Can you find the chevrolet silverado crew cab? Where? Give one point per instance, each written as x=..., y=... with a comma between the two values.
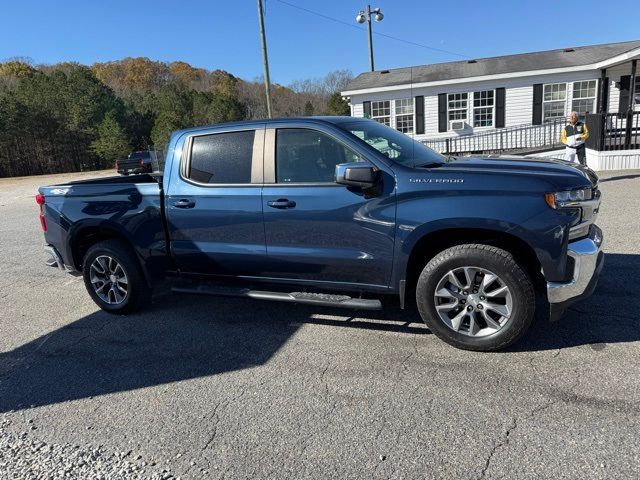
x=342, y=212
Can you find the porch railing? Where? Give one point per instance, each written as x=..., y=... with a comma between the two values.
x=521, y=138
x=613, y=131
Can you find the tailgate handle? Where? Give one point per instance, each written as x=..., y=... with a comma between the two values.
x=184, y=203
x=282, y=203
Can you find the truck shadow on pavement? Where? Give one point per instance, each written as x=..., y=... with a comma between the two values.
x=179, y=338
x=184, y=337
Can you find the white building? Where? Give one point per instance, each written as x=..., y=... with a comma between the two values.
x=483, y=104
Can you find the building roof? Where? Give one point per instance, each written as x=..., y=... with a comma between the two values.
x=524, y=62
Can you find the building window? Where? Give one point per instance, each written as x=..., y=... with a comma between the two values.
x=404, y=115
x=483, y=108
x=584, y=97
x=457, y=106
x=381, y=112
x=553, y=101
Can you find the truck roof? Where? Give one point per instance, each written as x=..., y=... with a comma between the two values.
x=326, y=119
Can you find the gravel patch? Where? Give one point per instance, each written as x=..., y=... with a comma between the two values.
x=24, y=457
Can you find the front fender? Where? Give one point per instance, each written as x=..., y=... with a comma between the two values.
x=522, y=215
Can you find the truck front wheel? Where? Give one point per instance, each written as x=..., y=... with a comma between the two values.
x=476, y=297
x=113, y=277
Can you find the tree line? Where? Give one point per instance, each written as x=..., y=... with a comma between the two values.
x=71, y=117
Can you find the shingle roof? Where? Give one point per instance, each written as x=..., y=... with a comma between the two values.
x=561, y=58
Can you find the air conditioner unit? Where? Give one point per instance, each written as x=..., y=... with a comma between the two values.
x=457, y=125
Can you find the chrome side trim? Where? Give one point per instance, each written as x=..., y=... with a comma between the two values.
x=585, y=256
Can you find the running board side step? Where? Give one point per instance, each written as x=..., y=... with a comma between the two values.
x=323, y=299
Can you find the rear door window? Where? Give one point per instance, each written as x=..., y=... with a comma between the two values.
x=221, y=158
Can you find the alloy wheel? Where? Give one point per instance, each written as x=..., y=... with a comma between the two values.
x=109, y=280
x=473, y=301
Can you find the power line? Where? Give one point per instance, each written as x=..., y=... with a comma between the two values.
x=336, y=20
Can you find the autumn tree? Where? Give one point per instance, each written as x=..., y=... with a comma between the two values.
x=68, y=117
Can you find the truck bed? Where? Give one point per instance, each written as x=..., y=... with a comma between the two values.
x=125, y=206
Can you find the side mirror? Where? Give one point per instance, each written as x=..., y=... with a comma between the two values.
x=357, y=174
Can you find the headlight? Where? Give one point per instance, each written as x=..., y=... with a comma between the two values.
x=568, y=197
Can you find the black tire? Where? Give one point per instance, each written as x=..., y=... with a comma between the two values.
x=496, y=260
x=138, y=291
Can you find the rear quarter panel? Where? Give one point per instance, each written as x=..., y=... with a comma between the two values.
x=131, y=210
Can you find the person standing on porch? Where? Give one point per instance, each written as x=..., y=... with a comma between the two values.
x=574, y=134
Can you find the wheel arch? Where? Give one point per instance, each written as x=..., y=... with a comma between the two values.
x=88, y=234
x=432, y=243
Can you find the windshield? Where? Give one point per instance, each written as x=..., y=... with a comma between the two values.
x=395, y=145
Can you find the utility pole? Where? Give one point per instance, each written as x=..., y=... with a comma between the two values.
x=265, y=60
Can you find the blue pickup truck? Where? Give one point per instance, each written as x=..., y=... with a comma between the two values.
x=340, y=212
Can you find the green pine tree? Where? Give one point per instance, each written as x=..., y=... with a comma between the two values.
x=337, y=106
x=308, y=108
x=112, y=143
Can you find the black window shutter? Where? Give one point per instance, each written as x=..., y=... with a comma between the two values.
x=537, y=104
x=500, y=105
x=625, y=87
x=419, y=114
x=442, y=112
x=367, y=109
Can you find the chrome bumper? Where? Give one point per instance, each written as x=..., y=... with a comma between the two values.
x=585, y=254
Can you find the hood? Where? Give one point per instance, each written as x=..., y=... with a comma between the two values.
x=560, y=172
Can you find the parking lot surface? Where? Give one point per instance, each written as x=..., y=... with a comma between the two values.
x=213, y=387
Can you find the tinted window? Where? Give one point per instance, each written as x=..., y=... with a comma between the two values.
x=222, y=157
x=304, y=155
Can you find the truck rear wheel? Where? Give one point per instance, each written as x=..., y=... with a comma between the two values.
x=113, y=277
x=476, y=297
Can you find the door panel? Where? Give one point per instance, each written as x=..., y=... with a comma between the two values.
x=332, y=234
x=222, y=234
x=317, y=230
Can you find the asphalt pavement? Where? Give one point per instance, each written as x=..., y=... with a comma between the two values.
x=207, y=387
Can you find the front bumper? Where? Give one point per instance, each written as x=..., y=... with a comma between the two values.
x=588, y=259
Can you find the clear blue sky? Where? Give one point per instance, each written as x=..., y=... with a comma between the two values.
x=224, y=34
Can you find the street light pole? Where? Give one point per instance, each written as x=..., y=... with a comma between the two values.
x=265, y=60
x=370, y=38
x=365, y=16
